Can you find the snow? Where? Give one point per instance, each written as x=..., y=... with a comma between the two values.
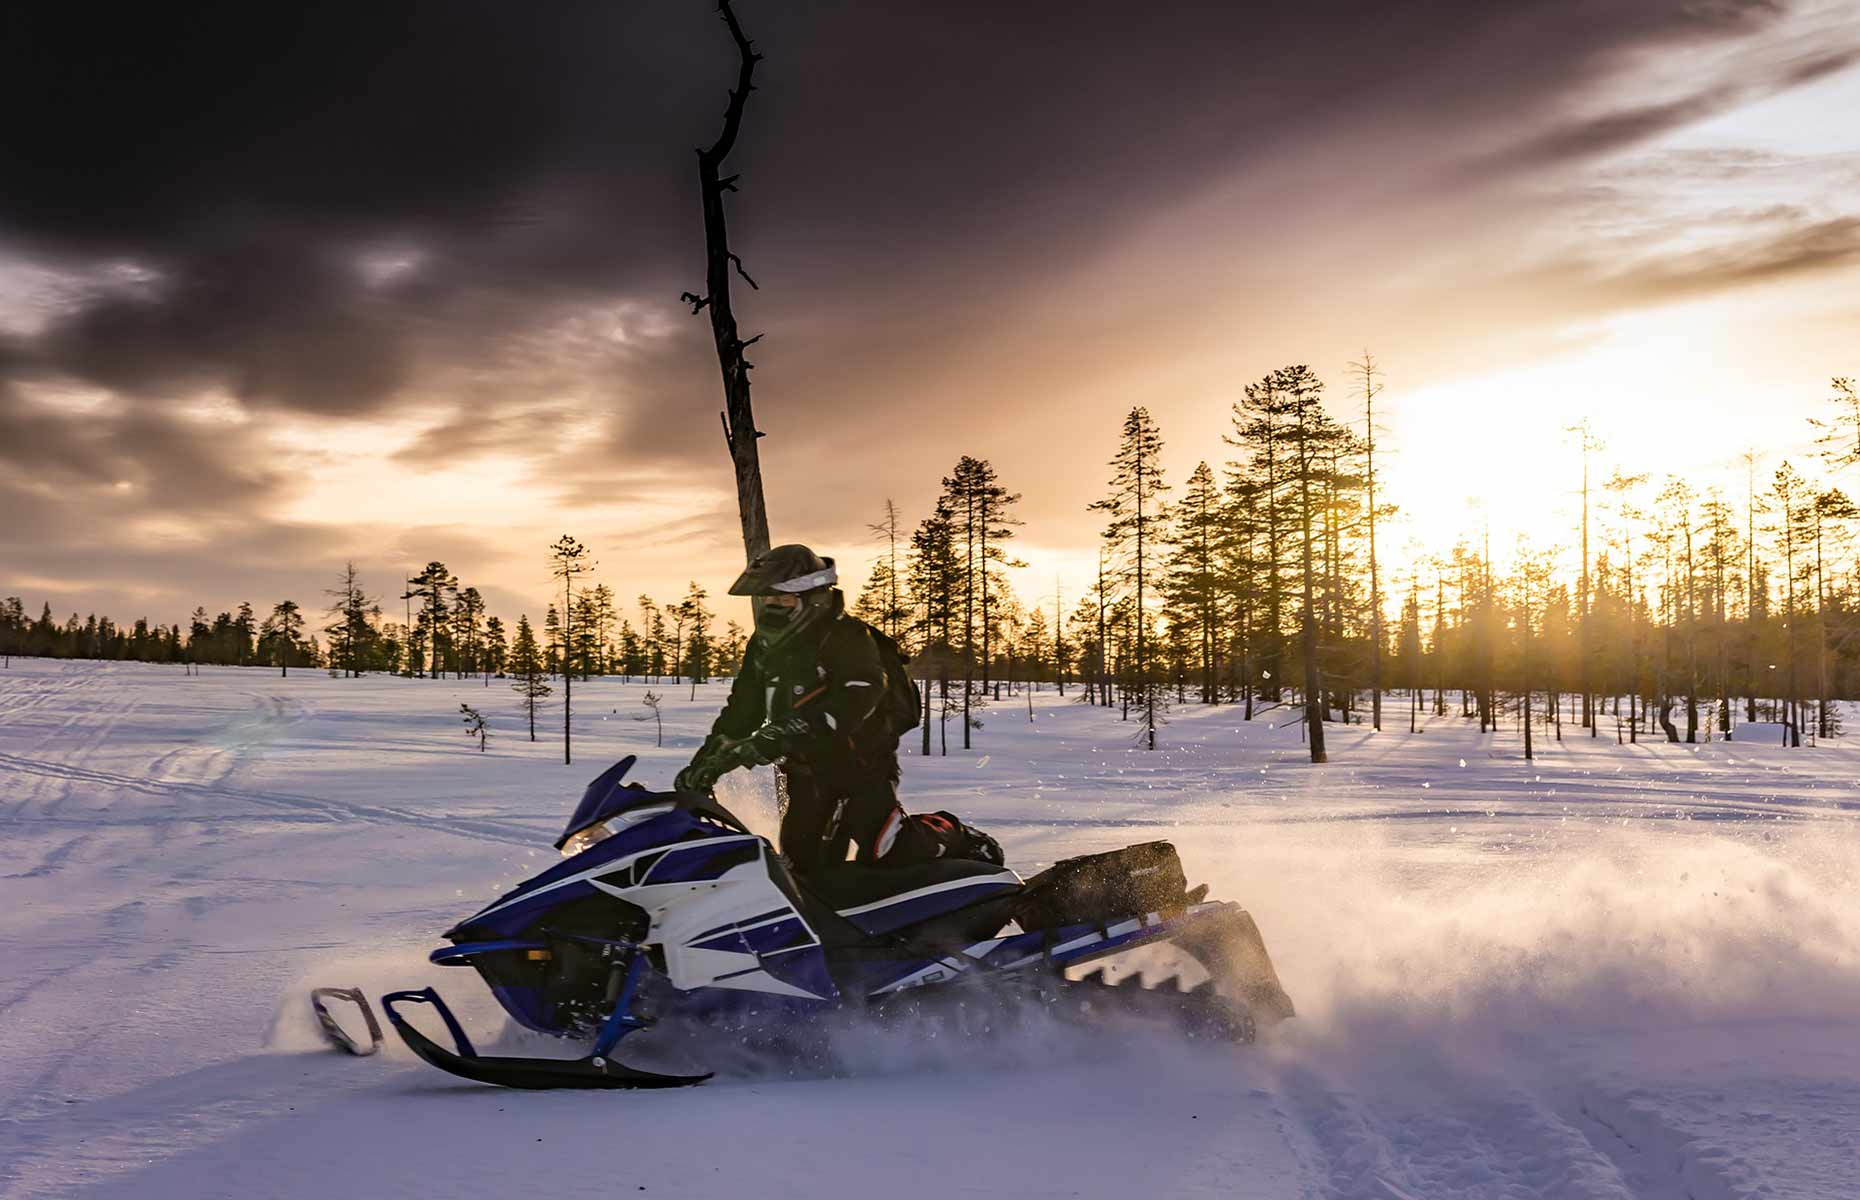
x=1618, y=971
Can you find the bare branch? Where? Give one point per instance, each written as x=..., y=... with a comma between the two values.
x=739, y=95
x=739, y=420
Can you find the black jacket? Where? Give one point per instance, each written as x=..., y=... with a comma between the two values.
x=830, y=674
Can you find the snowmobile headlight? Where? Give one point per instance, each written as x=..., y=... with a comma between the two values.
x=586, y=838
x=600, y=831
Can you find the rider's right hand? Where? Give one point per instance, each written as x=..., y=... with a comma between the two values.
x=696, y=777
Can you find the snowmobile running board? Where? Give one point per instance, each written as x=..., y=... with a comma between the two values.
x=532, y=1074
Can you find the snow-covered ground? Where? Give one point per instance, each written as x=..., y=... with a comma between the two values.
x=1618, y=971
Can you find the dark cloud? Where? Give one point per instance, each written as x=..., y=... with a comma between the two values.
x=275, y=324
x=140, y=459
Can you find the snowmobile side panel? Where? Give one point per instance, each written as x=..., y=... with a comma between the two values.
x=914, y=907
x=721, y=921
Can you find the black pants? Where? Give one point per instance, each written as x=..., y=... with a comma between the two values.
x=830, y=811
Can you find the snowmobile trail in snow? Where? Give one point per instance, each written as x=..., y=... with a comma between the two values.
x=1615, y=972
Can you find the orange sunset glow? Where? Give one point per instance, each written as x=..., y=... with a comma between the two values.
x=266, y=369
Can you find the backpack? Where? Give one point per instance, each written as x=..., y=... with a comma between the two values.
x=901, y=709
x=1094, y=888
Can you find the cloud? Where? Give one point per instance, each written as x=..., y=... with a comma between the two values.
x=1795, y=247
x=471, y=223
x=153, y=460
x=1586, y=136
x=271, y=323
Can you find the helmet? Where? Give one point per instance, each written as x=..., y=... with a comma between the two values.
x=783, y=571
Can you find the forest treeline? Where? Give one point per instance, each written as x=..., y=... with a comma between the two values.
x=1259, y=584
x=1666, y=609
x=446, y=632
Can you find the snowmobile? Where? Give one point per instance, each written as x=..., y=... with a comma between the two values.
x=665, y=904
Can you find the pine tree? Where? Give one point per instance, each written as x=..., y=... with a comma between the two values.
x=1792, y=530
x=1254, y=490
x=981, y=513
x=495, y=649
x=882, y=601
x=1193, y=583
x=631, y=651
x=568, y=561
x=585, y=652
x=1062, y=652
x=729, y=652
x=552, y=640
x=1828, y=511
x=528, y=671
x=1721, y=554
x=602, y=616
x=467, y=609
x=1294, y=478
x=934, y=573
x=696, y=619
x=14, y=628
x=351, y=636
x=243, y=629
x=652, y=637
x=433, y=587
x=1136, y=522
x=1840, y=437
x=1034, y=651
x=281, y=631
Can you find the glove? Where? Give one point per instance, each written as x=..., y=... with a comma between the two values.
x=714, y=762
x=775, y=740
x=700, y=775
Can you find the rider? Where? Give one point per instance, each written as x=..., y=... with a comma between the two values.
x=824, y=695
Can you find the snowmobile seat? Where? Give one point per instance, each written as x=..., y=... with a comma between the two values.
x=883, y=899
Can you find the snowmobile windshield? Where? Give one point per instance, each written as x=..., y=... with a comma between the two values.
x=607, y=797
x=600, y=831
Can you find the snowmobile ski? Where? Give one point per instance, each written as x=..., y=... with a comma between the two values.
x=333, y=1032
x=528, y=1074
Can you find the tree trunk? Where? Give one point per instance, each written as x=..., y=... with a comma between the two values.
x=739, y=424
x=1314, y=697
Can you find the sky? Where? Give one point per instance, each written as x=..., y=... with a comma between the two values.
x=399, y=282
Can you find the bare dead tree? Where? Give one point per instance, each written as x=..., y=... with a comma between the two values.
x=1588, y=444
x=739, y=423
x=1369, y=387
